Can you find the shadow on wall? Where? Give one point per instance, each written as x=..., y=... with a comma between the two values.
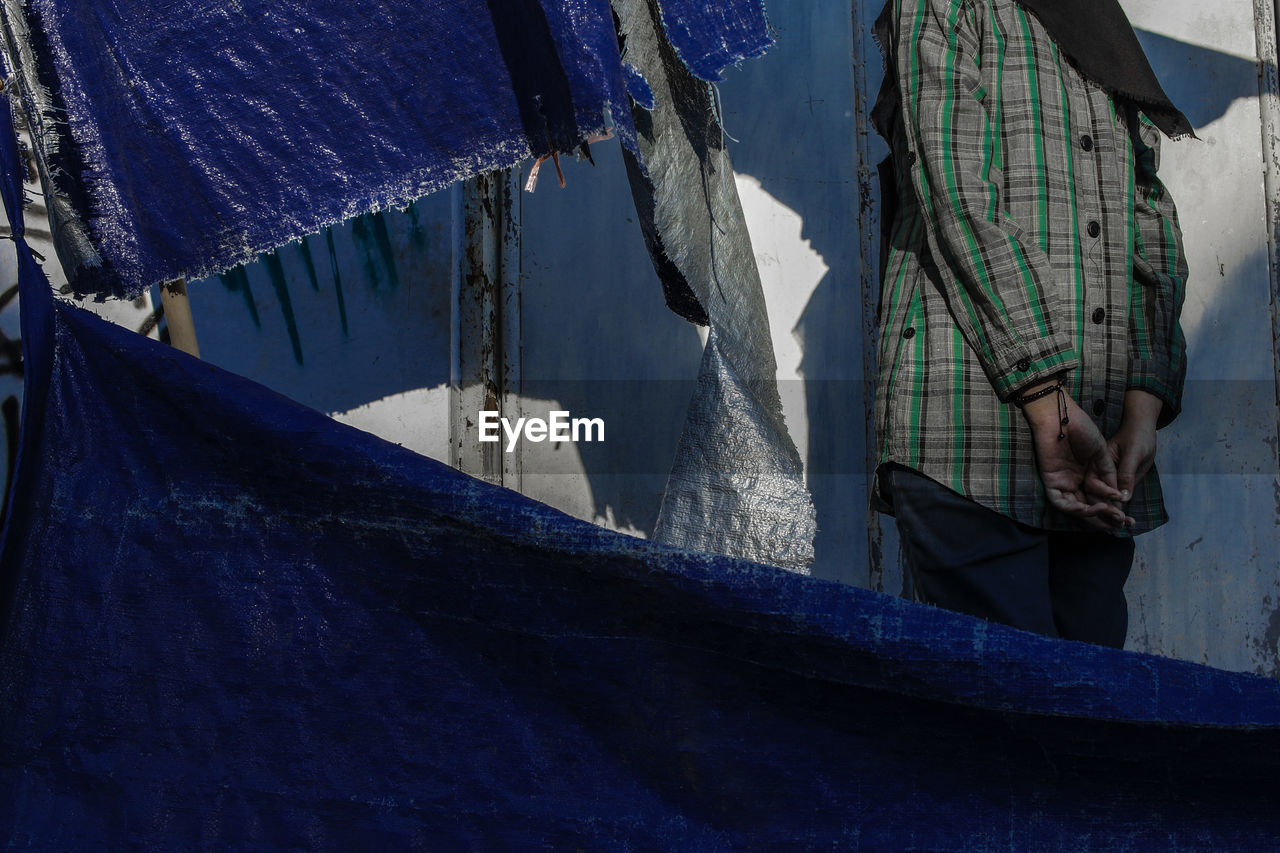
x=1229, y=416
x=361, y=313
x=599, y=340
x=794, y=112
x=1202, y=82
x=1205, y=587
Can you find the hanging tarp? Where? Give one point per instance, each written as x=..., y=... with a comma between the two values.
x=228, y=622
x=183, y=137
x=737, y=484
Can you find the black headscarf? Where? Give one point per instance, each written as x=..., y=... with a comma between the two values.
x=1099, y=41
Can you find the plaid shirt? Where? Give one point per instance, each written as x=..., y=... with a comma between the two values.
x=1032, y=238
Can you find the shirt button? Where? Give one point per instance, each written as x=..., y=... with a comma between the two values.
x=1099, y=315
x=911, y=157
x=1023, y=365
x=1099, y=406
x=1094, y=228
x=908, y=333
x=1086, y=142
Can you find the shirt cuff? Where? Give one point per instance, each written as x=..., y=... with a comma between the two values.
x=1030, y=367
x=1159, y=378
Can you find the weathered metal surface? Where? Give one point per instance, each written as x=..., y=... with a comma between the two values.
x=1265, y=28
x=868, y=71
x=1267, y=14
x=1207, y=586
x=485, y=326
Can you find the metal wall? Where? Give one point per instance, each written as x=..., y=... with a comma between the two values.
x=406, y=323
x=1206, y=587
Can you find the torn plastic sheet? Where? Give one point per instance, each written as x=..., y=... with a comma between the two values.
x=737, y=485
x=255, y=628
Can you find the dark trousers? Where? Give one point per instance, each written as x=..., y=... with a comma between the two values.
x=967, y=558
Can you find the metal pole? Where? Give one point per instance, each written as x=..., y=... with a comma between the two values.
x=1265, y=28
x=486, y=325
x=177, y=315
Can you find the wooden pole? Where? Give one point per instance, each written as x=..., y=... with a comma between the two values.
x=177, y=315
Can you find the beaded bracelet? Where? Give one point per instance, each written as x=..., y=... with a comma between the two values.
x=1056, y=388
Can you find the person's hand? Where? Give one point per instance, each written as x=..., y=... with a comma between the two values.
x=1133, y=447
x=1078, y=471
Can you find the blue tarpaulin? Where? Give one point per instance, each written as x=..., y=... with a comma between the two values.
x=183, y=138
x=227, y=622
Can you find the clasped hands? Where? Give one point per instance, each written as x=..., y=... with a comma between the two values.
x=1084, y=474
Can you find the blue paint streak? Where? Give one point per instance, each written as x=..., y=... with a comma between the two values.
x=309, y=263
x=337, y=279
x=236, y=280
x=275, y=272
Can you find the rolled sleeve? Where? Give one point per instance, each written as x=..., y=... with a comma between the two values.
x=997, y=281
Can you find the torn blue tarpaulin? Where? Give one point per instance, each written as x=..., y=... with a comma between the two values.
x=709, y=36
x=188, y=136
x=253, y=628
x=181, y=138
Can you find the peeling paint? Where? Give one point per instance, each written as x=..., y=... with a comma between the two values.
x=485, y=348
x=1269, y=647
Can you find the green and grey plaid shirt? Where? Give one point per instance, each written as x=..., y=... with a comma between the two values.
x=1031, y=238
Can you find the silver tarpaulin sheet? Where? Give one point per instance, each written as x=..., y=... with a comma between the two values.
x=737, y=484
